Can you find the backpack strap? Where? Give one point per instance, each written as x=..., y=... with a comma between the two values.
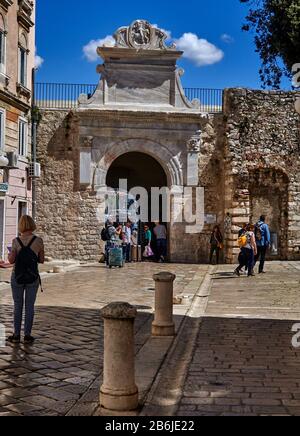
x=31, y=242
x=20, y=242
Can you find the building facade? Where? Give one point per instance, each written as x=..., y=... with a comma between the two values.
x=139, y=126
x=17, y=57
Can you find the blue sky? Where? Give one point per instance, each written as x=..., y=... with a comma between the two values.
x=64, y=28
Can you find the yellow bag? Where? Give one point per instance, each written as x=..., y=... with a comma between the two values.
x=243, y=241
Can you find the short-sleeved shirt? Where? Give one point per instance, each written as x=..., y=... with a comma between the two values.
x=127, y=234
x=148, y=235
x=160, y=232
x=250, y=237
x=37, y=246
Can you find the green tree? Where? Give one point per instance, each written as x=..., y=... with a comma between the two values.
x=276, y=24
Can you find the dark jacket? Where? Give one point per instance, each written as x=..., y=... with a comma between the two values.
x=216, y=239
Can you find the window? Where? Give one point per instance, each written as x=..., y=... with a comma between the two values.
x=2, y=129
x=23, y=66
x=23, y=60
x=2, y=46
x=22, y=210
x=23, y=138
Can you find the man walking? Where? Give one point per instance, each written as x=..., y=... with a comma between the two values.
x=160, y=232
x=110, y=238
x=127, y=235
x=263, y=241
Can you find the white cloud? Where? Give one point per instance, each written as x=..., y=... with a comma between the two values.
x=90, y=50
x=228, y=39
x=38, y=61
x=200, y=51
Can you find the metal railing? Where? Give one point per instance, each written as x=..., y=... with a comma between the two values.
x=211, y=100
x=65, y=96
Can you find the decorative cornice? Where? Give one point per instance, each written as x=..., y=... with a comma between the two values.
x=14, y=101
x=138, y=117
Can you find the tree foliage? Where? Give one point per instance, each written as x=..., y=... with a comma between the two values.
x=277, y=37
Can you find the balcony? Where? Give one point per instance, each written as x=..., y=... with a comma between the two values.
x=25, y=13
x=6, y=4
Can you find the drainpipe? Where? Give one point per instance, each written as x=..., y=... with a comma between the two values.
x=34, y=122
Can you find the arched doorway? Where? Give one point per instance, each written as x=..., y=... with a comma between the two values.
x=269, y=196
x=139, y=170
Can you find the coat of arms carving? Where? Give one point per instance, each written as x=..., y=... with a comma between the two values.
x=142, y=35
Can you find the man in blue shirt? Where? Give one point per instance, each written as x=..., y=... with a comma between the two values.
x=263, y=241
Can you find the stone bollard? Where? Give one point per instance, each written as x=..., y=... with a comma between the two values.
x=119, y=391
x=58, y=270
x=163, y=324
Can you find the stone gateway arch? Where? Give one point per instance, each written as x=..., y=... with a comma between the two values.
x=139, y=108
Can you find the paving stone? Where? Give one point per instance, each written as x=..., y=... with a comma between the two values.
x=55, y=375
x=245, y=344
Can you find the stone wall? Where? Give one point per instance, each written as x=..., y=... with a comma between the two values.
x=67, y=209
x=248, y=165
x=262, y=165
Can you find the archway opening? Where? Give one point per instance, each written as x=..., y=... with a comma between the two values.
x=140, y=170
x=269, y=196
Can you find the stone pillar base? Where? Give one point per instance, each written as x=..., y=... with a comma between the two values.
x=119, y=391
x=119, y=401
x=163, y=330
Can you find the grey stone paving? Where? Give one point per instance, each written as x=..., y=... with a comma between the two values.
x=61, y=373
x=244, y=363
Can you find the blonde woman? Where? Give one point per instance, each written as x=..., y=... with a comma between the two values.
x=26, y=253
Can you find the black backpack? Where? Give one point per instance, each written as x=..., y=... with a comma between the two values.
x=26, y=267
x=258, y=232
x=105, y=235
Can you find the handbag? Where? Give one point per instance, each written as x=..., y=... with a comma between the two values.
x=148, y=252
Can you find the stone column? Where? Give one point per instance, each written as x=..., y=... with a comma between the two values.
x=119, y=391
x=163, y=324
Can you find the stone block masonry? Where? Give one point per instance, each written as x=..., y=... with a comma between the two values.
x=248, y=165
x=262, y=165
x=247, y=157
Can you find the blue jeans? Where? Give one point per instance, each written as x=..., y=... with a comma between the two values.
x=261, y=255
x=30, y=294
x=127, y=252
x=162, y=247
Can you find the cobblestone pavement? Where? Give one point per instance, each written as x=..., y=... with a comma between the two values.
x=51, y=377
x=243, y=362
